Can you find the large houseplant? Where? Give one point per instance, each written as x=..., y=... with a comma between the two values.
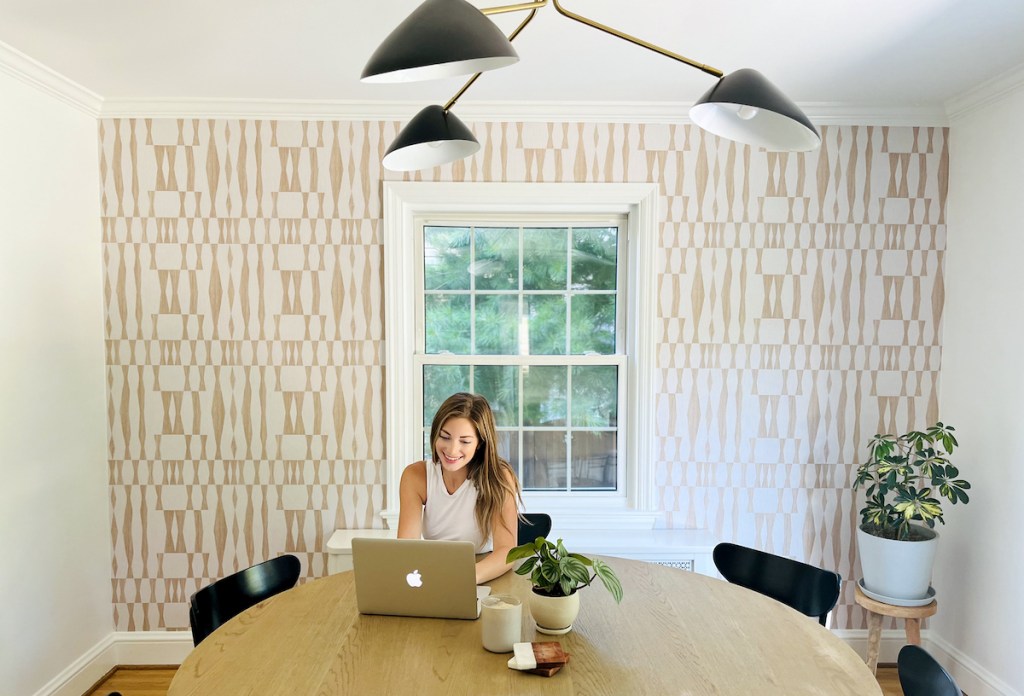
x=902, y=478
x=557, y=575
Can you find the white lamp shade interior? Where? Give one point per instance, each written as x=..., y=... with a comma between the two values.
x=754, y=126
x=427, y=155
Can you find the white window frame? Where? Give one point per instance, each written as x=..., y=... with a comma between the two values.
x=404, y=204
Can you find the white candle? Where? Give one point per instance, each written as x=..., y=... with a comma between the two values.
x=501, y=620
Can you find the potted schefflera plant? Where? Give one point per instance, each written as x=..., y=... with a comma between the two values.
x=557, y=575
x=904, y=479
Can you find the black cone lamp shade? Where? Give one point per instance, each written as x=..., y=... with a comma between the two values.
x=744, y=106
x=433, y=137
x=441, y=38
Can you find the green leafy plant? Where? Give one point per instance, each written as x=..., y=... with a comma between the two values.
x=557, y=573
x=901, y=478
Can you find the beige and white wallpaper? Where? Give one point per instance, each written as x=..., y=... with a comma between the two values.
x=800, y=301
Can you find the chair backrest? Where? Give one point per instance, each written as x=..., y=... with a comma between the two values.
x=922, y=675
x=222, y=600
x=534, y=525
x=809, y=590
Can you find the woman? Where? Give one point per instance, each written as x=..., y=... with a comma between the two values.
x=468, y=492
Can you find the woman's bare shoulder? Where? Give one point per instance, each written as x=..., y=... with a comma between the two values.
x=416, y=470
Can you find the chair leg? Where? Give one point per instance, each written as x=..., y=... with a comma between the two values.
x=874, y=639
x=913, y=630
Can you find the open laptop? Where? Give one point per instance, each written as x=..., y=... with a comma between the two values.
x=416, y=577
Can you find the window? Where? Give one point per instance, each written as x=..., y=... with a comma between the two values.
x=530, y=317
x=540, y=297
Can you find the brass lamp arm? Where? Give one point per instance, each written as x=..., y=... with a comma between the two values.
x=513, y=8
x=639, y=42
x=532, y=6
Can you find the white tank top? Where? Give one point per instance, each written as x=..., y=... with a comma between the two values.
x=451, y=516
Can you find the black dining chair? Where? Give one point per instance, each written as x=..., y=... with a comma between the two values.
x=806, y=588
x=922, y=675
x=218, y=602
x=533, y=525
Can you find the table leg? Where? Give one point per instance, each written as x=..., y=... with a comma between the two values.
x=913, y=629
x=874, y=638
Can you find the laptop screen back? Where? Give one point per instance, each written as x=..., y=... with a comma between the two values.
x=415, y=577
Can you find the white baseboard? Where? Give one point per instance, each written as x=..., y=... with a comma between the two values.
x=171, y=648
x=152, y=647
x=970, y=676
x=83, y=673
x=119, y=648
x=888, y=649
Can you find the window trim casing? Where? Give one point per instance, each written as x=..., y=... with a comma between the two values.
x=405, y=201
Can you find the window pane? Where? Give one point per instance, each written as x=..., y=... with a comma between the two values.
x=594, y=253
x=446, y=258
x=543, y=460
x=595, y=401
x=499, y=384
x=440, y=382
x=546, y=324
x=497, y=325
x=544, y=402
x=446, y=323
x=593, y=460
x=508, y=447
x=544, y=259
x=496, y=266
x=593, y=324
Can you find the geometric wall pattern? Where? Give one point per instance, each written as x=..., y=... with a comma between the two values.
x=799, y=310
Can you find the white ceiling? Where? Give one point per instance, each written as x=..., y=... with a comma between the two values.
x=848, y=54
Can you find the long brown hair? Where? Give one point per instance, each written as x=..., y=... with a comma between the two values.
x=488, y=472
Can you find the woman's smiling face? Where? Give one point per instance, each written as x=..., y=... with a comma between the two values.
x=456, y=443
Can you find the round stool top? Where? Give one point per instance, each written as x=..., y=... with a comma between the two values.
x=873, y=605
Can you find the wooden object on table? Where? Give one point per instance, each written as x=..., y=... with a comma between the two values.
x=876, y=610
x=675, y=632
x=544, y=658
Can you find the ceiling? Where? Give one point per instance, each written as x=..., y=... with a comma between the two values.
x=846, y=54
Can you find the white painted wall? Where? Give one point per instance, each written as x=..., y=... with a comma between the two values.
x=54, y=519
x=980, y=566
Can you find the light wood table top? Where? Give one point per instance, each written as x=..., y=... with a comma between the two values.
x=674, y=633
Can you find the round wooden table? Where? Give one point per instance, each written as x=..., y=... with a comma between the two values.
x=674, y=633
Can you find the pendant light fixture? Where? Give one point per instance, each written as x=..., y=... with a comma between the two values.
x=443, y=38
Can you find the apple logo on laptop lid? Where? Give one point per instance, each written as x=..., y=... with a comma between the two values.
x=414, y=579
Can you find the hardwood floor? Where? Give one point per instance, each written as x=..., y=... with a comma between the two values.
x=136, y=681
x=154, y=681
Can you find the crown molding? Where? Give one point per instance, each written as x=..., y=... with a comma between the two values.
x=30, y=71
x=988, y=92
x=574, y=112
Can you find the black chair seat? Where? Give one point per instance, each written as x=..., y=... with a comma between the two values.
x=222, y=600
x=806, y=588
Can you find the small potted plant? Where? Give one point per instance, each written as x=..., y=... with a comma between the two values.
x=556, y=575
x=901, y=479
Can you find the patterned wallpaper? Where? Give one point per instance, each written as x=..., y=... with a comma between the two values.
x=799, y=296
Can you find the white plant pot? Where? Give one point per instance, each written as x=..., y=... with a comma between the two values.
x=554, y=615
x=898, y=569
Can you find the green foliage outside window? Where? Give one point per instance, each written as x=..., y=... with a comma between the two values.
x=544, y=291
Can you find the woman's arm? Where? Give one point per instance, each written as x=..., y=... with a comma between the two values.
x=504, y=531
x=412, y=494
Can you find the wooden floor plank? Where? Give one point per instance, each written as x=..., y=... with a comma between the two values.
x=136, y=681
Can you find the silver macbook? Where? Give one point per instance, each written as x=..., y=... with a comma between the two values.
x=415, y=577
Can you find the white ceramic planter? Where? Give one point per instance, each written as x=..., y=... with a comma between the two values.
x=554, y=615
x=897, y=569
